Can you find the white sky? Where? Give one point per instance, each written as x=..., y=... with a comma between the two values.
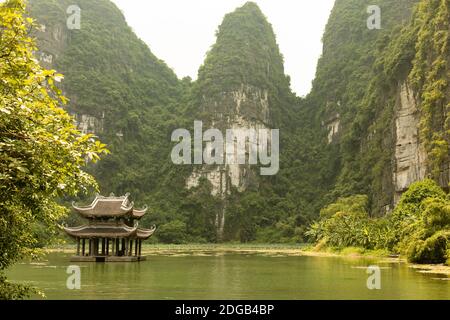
x=180, y=32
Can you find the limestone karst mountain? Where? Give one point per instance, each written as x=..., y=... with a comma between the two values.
x=241, y=86
x=375, y=121
x=117, y=89
x=383, y=96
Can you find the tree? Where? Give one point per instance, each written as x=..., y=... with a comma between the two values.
x=42, y=154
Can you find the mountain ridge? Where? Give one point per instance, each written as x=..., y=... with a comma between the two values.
x=354, y=133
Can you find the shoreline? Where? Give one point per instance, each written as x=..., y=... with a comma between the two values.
x=270, y=250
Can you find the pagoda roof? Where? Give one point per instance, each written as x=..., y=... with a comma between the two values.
x=110, y=207
x=109, y=230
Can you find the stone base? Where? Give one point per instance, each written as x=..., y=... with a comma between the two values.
x=107, y=259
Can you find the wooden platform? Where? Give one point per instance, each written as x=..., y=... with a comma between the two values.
x=107, y=259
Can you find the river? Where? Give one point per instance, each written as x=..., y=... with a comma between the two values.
x=221, y=275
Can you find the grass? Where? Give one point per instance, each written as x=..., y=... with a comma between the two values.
x=260, y=248
x=197, y=247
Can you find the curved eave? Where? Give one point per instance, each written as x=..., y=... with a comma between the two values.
x=122, y=207
x=101, y=232
x=90, y=212
x=139, y=213
x=144, y=234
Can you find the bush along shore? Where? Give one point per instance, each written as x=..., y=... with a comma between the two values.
x=418, y=228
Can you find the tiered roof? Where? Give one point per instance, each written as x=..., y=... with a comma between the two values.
x=104, y=208
x=110, y=207
x=110, y=230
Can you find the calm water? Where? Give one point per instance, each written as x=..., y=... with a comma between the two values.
x=231, y=276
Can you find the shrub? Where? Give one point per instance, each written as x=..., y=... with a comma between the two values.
x=344, y=223
x=10, y=291
x=354, y=204
x=436, y=215
x=419, y=227
x=421, y=190
x=173, y=232
x=411, y=201
x=432, y=250
x=422, y=211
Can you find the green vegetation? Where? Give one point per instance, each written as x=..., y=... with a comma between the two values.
x=418, y=228
x=346, y=223
x=272, y=209
x=113, y=76
x=430, y=77
x=410, y=49
x=42, y=153
x=143, y=102
x=356, y=79
x=137, y=101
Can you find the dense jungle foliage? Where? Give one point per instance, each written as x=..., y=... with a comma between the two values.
x=42, y=154
x=418, y=228
x=112, y=75
x=415, y=50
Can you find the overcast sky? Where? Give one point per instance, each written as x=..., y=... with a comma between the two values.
x=180, y=32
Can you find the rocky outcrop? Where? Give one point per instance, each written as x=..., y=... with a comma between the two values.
x=333, y=124
x=240, y=110
x=53, y=40
x=89, y=124
x=246, y=108
x=410, y=155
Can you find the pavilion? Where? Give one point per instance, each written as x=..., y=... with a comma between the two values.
x=111, y=233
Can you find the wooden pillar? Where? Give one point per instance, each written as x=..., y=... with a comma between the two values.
x=140, y=247
x=136, y=247
x=113, y=249
x=103, y=246
x=83, y=249
x=123, y=246
x=130, y=250
x=90, y=246
x=78, y=246
x=107, y=247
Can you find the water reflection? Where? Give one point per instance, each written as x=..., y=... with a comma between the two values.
x=231, y=276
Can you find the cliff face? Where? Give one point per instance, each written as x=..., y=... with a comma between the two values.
x=374, y=111
x=422, y=109
x=247, y=108
x=410, y=155
x=117, y=89
x=376, y=120
x=240, y=87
